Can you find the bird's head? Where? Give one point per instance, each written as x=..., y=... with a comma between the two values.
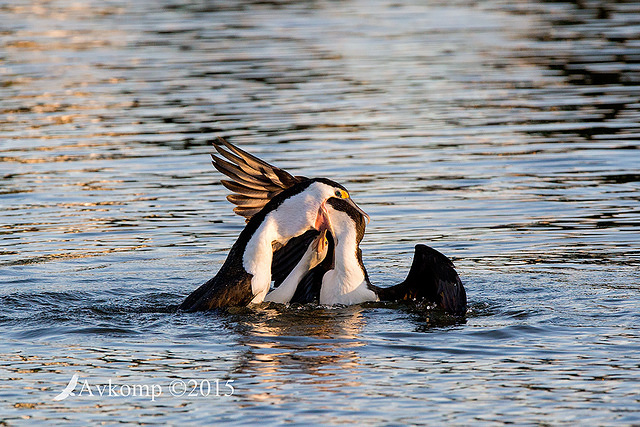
x=346, y=219
x=338, y=213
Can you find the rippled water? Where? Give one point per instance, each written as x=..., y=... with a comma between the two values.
x=504, y=135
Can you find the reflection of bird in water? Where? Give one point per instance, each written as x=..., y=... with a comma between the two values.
x=316, y=345
x=322, y=262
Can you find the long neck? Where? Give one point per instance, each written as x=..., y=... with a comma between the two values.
x=347, y=265
x=347, y=282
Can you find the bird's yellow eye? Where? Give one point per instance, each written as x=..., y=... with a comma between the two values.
x=342, y=194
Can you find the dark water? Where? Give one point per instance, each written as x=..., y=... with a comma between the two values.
x=504, y=135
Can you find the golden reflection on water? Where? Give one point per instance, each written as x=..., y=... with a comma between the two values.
x=455, y=124
x=316, y=347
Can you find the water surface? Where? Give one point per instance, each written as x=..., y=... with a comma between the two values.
x=504, y=135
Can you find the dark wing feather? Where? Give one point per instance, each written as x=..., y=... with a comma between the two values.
x=288, y=256
x=432, y=277
x=253, y=181
x=230, y=287
x=308, y=290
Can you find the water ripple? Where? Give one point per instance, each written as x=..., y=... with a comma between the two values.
x=504, y=135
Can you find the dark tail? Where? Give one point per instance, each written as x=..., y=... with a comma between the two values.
x=432, y=277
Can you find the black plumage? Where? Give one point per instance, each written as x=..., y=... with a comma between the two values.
x=258, y=188
x=432, y=278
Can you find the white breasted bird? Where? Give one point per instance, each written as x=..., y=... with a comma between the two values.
x=344, y=279
x=322, y=264
x=278, y=207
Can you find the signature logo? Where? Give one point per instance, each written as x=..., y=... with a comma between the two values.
x=68, y=390
x=177, y=388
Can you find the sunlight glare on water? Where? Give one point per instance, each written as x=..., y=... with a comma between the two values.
x=505, y=135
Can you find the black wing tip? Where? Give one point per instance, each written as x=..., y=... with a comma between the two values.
x=215, y=160
x=219, y=144
x=218, y=162
x=229, y=151
x=219, y=165
x=455, y=301
x=435, y=274
x=220, y=141
x=424, y=250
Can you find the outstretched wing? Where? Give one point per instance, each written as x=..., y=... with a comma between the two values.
x=253, y=181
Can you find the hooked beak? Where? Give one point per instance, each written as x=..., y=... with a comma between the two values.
x=321, y=243
x=356, y=207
